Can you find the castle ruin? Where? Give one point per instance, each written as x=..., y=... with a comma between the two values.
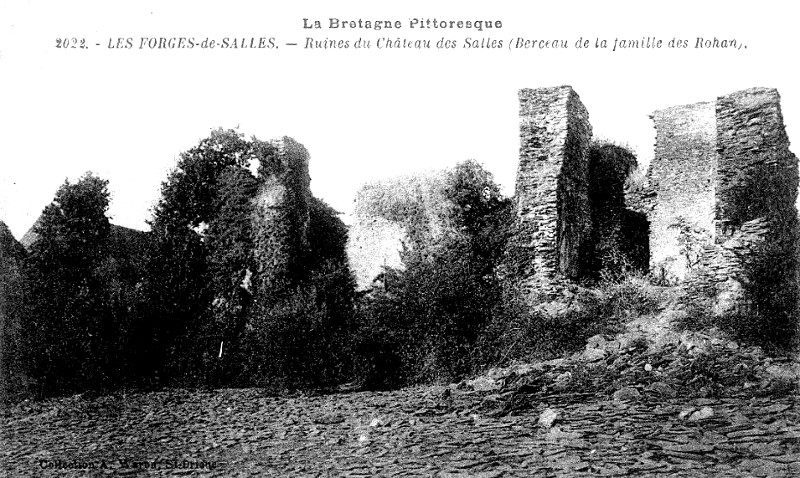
x=718, y=197
x=392, y=215
x=725, y=187
x=281, y=215
x=552, y=198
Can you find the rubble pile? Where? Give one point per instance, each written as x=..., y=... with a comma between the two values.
x=629, y=368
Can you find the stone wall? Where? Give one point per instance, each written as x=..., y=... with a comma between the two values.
x=391, y=215
x=756, y=192
x=719, y=192
x=723, y=174
x=682, y=177
x=718, y=274
x=281, y=216
x=552, y=210
x=757, y=174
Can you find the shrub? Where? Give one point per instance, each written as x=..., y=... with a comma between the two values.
x=423, y=325
x=301, y=340
x=766, y=313
x=626, y=297
x=770, y=319
x=519, y=331
x=432, y=313
x=13, y=382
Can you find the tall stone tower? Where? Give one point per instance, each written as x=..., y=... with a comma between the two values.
x=724, y=169
x=552, y=220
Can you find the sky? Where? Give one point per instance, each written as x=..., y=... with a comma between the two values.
x=363, y=114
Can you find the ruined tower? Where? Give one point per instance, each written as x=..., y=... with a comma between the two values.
x=281, y=216
x=757, y=174
x=552, y=211
x=725, y=186
x=756, y=216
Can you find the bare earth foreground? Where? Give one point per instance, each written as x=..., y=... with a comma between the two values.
x=430, y=431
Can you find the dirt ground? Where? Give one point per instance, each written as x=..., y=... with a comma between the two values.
x=422, y=431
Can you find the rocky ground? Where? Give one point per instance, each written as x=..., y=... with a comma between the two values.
x=646, y=402
x=620, y=407
x=413, y=432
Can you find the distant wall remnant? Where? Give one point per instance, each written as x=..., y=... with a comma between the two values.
x=391, y=215
x=374, y=243
x=552, y=220
x=281, y=215
x=682, y=175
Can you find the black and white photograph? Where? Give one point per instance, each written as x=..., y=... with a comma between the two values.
x=436, y=239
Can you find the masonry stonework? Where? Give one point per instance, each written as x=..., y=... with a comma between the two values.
x=725, y=186
x=756, y=192
x=682, y=175
x=552, y=206
x=757, y=172
x=718, y=199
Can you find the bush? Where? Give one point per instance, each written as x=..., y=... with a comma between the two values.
x=433, y=313
x=521, y=332
x=770, y=319
x=382, y=344
x=766, y=314
x=425, y=322
x=301, y=340
x=629, y=296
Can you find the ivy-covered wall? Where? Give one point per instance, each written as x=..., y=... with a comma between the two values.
x=723, y=213
x=755, y=216
x=393, y=214
x=281, y=216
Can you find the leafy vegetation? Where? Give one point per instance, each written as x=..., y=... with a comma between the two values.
x=218, y=313
x=244, y=281
x=74, y=337
x=424, y=323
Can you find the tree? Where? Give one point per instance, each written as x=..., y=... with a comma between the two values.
x=232, y=265
x=480, y=211
x=213, y=315
x=424, y=325
x=177, y=334
x=70, y=328
x=13, y=384
x=301, y=339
